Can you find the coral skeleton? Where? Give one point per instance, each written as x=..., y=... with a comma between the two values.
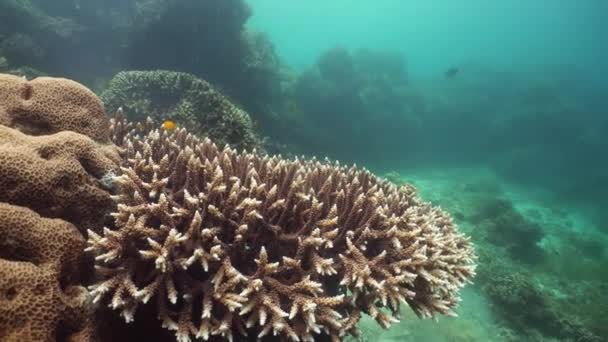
x=234, y=244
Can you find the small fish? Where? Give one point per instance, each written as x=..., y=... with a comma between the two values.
x=169, y=125
x=451, y=72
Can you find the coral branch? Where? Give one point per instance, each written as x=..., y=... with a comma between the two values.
x=236, y=243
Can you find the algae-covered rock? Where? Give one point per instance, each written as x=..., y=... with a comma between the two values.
x=191, y=102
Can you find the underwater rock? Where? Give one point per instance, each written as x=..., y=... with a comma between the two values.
x=219, y=49
x=191, y=102
x=337, y=65
x=23, y=48
x=228, y=245
x=506, y=227
x=526, y=308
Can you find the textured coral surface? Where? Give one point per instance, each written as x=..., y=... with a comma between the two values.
x=37, y=265
x=48, y=105
x=190, y=101
x=55, y=163
x=227, y=244
x=50, y=160
x=59, y=175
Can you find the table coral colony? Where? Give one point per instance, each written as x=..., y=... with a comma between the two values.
x=239, y=244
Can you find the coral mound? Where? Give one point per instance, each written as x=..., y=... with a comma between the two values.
x=232, y=245
x=62, y=175
x=55, y=163
x=192, y=102
x=37, y=258
x=55, y=151
x=48, y=105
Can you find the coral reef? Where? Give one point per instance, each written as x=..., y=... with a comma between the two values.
x=55, y=163
x=38, y=34
x=220, y=50
x=37, y=269
x=504, y=226
x=63, y=175
x=344, y=100
x=91, y=41
x=191, y=102
x=337, y=65
x=511, y=291
x=48, y=160
x=394, y=177
x=259, y=86
x=227, y=244
x=48, y=105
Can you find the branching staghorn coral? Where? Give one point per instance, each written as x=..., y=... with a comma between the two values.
x=235, y=244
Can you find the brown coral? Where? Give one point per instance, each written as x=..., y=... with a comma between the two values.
x=56, y=163
x=48, y=161
x=62, y=175
x=37, y=267
x=48, y=105
x=234, y=244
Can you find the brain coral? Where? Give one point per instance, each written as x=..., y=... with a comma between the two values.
x=48, y=105
x=59, y=175
x=50, y=161
x=191, y=102
x=227, y=244
x=55, y=163
x=37, y=269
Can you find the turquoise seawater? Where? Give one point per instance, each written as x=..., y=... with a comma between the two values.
x=512, y=35
x=513, y=144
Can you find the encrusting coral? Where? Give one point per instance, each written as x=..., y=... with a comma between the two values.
x=236, y=244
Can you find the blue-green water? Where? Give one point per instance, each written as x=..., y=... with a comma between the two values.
x=495, y=110
x=524, y=121
x=512, y=35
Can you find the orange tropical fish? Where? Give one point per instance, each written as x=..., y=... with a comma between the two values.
x=169, y=125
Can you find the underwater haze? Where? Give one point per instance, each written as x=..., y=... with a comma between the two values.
x=496, y=111
x=504, y=122
x=436, y=34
